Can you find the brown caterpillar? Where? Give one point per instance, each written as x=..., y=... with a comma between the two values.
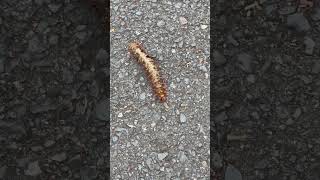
x=151, y=68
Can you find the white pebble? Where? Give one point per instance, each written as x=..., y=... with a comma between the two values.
x=161, y=156
x=183, y=118
x=143, y=96
x=203, y=26
x=183, y=21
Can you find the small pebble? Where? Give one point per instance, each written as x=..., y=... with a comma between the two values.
x=178, y=5
x=161, y=156
x=33, y=169
x=36, y=148
x=49, y=143
x=143, y=96
x=182, y=157
x=203, y=26
x=54, y=7
x=251, y=78
x=183, y=20
x=232, y=40
x=232, y=173
x=245, y=62
x=309, y=45
x=298, y=22
x=183, y=118
x=114, y=139
x=160, y=23
x=59, y=157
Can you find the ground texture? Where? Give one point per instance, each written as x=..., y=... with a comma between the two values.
x=150, y=140
x=265, y=90
x=53, y=100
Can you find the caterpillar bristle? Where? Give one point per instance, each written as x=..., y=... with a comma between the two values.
x=151, y=68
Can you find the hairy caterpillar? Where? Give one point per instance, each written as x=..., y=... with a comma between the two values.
x=151, y=68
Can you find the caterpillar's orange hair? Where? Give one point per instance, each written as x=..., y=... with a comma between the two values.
x=151, y=68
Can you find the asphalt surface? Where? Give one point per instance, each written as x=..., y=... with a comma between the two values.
x=265, y=90
x=53, y=91
x=150, y=140
x=54, y=75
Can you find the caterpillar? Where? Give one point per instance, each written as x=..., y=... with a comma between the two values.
x=151, y=68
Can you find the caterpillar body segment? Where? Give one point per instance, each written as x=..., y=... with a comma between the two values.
x=151, y=69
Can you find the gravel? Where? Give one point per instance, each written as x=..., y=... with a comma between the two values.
x=298, y=22
x=232, y=173
x=309, y=43
x=183, y=20
x=54, y=74
x=53, y=57
x=264, y=90
x=183, y=118
x=316, y=14
x=218, y=58
x=33, y=169
x=59, y=157
x=161, y=141
x=245, y=62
